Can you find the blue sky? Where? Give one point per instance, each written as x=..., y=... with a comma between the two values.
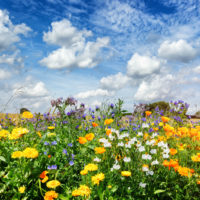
x=99, y=51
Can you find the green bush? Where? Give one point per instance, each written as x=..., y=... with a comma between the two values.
x=162, y=105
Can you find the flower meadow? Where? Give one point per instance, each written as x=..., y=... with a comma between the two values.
x=78, y=153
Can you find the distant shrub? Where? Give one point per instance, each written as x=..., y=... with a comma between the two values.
x=161, y=105
x=197, y=114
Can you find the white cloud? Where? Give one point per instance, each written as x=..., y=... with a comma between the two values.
x=74, y=51
x=93, y=93
x=9, y=33
x=197, y=69
x=31, y=90
x=114, y=82
x=158, y=88
x=143, y=65
x=4, y=74
x=177, y=51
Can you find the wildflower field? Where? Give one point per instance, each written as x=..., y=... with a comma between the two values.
x=74, y=153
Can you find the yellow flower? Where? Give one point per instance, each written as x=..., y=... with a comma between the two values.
x=91, y=167
x=84, y=172
x=39, y=134
x=17, y=154
x=17, y=133
x=99, y=150
x=89, y=136
x=4, y=133
x=22, y=189
x=27, y=115
x=109, y=186
x=53, y=184
x=50, y=195
x=125, y=173
x=108, y=121
x=51, y=134
x=82, y=140
x=51, y=127
x=160, y=124
x=83, y=190
x=165, y=119
x=148, y=113
x=30, y=153
x=97, y=178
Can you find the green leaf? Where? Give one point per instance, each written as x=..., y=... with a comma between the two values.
x=159, y=191
x=2, y=159
x=63, y=197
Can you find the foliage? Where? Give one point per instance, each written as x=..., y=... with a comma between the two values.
x=74, y=153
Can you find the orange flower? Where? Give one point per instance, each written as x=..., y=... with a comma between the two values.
x=148, y=113
x=94, y=124
x=108, y=132
x=50, y=195
x=82, y=140
x=89, y=136
x=173, y=151
x=49, y=156
x=43, y=174
x=165, y=119
x=99, y=150
x=108, y=121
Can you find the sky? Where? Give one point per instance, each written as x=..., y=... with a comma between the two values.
x=140, y=51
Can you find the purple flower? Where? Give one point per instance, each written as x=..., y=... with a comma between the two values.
x=73, y=156
x=52, y=167
x=99, y=118
x=112, y=105
x=150, y=130
x=70, y=144
x=143, y=119
x=65, y=151
x=54, y=143
x=71, y=163
x=180, y=101
x=45, y=153
x=46, y=143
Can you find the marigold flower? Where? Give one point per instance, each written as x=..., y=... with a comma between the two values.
x=99, y=150
x=53, y=184
x=148, y=113
x=17, y=154
x=84, y=172
x=76, y=193
x=51, y=127
x=27, y=115
x=4, y=133
x=91, y=167
x=89, y=136
x=165, y=119
x=108, y=121
x=108, y=132
x=173, y=151
x=97, y=178
x=43, y=174
x=50, y=195
x=195, y=158
x=22, y=189
x=94, y=124
x=83, y=190
x=17, y=133
x=82, y=140
x=30, y=153
x=125, y=173
x=45, y=179
x=39, y=134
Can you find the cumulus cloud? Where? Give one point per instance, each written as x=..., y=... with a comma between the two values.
x=177, y=51
x=140, y=66
x=93, y=93
x=9, y=33
x=74, y=50
x=197, y=69
x=4, y=74
x=158, y=88
x=114, y=82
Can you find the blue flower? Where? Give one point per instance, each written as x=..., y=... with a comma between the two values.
x=46, y=143
x=54, y=143
x=71, y=163
x=52, y=167
x=65, y=151
x=70, y=144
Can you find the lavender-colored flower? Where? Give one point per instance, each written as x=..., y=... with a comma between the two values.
x=180, y=101
x=70, y=101
x=112, y=105
x=84, y=116
x=52, y=167
x=65, y=151
x=46, y=143
x=93, y=116
x=68, y=113
x=82, y=105
x=73, y=156
x=143, y=119
x=187, y=105
x=70, y=144
x=97, y=108
x=45, y=153
x=99, y=118
x=77, y=127
x=54, y=143
x=71, y=162
x=157, y=109
x=150, y=130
